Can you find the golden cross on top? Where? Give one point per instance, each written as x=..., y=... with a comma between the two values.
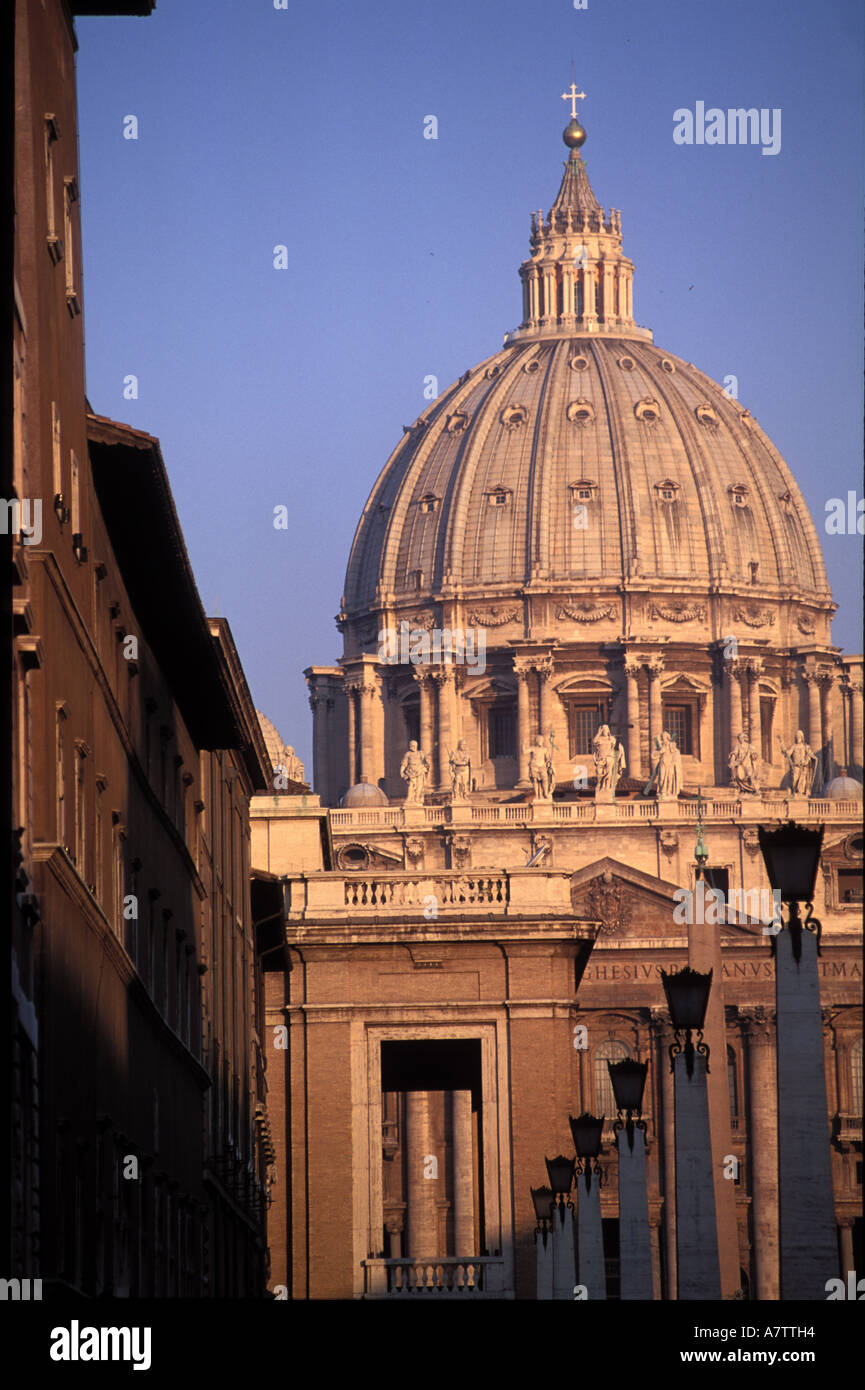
x=573, y=96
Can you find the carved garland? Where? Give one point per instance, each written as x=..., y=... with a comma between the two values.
x=677, y=612
x=492, y=617
x=587, y=611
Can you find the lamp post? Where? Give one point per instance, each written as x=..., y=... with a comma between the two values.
x=628, y=1079
x=808, y=1245
x=543, y=1201
x=587, y=1131
x=697, y=1262
x=560, y=1171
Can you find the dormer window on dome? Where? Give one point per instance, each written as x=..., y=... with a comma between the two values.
x=667, y=491
x=499, y=496
x=647, y=411
x=739, y=494
x=580, y=412
x=707, y=416
x=583, y=490
x=514, y=416
x=428, y=503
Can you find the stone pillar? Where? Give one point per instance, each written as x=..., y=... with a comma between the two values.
x=656, y=716
x=463, y=1174
x=734, y=700
x=754, y=671
x=426, y=712
x=350, y=691
x=763, y=1134
x=590, y=315
x=815, y=731
x=632, y=730
x=422, y=1211
x=590, y=1239
x=545, y=670
x=808, y=1242
x=523, y=731
x=663, y=1034
x=635, y=1250
x=564, y=1262
x=319, y=705
x=827, y=681
x=549, y=309
x=568, y=306
x=533, y=295
x=855, y=755
x=699, y=1270
x=544, y=1253
x=846, y=1250
x=444, y=684
x=369, y=708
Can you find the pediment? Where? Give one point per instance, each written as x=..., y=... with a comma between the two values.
x=630, y=903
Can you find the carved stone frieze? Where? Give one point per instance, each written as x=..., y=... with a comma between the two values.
x=753, y=616
x=584, y=611
x=677, y=612
x=492, y=617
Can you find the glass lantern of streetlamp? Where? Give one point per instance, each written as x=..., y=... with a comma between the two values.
x=561, y=1174
x=687, y=994
x=628, y=1078
x=543, y=1201
x=587, y=1131
x=791, y=855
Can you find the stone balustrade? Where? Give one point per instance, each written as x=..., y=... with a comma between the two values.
x=436, y=1278
x=501, y=891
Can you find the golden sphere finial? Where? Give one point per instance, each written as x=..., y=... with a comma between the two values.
x=574, y=135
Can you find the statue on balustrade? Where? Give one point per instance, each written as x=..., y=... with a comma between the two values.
x=461, y=771
x=288, y=769
x=802, y=763
x=668, y=768
x=744, y=766
x=414, y=770
x=542, y=773
x=609, y=763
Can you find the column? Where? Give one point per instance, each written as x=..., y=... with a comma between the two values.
x=544, y=1255
x=549, y=314
x=759, y=1030
x=422, y=1213
x=635, y=1250
x=734, y=673
x=827, y=680
x=754, y=669
x=590, y=316
x=663, y=1033
x=368, y=698
x=590, y=1237
x=568, y=306
x=815, y=731
x=564, y=1262
x=426, y=713
x=533, y=295
x=544, y=669
x=463, y=1174
x=699, y=1270
x=318, y=703
x=854, y=755
x=350, y=687
x=521, y=671
x=621, y=297
x=847, y=1264
x=654, y=668
x=807, y=1235
x=632, y=729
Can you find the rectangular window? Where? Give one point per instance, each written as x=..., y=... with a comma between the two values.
x=70, y=197
x=61, y=777
x=56, y=455
x=80, y=809
x=679, y=725
x=75, y=494
x=52, y=135
x=501, y=732
x=584, y=722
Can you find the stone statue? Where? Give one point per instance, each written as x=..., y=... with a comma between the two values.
x=668, y=768
x=609, y=763
x=413, y=770
x=461, y=768
x=744, y=767
x=541, y=770
x=802, y=763
x=293, y=766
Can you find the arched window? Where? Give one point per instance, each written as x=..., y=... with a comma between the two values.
x=856, y=1076
x=611, y=1050
x=732, y=1083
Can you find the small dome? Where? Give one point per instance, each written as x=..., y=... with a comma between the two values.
x=272, y=738
x=364, y=794
x=843, y=788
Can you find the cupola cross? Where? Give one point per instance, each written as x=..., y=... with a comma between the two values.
x=573, y=96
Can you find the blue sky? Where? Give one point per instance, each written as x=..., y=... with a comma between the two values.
x=304, y=127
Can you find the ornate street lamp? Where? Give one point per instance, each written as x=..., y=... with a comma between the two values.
x=560, y=1171
x=543, y=1200
x=792, y=855
x=687, y=994
x=628, y=1079
x=586, y=1131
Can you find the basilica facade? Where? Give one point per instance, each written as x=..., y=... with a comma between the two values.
x=586, y=621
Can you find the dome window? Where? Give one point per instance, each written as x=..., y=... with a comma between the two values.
x=583, y=490
x=706, y=416
x=579, y=363
x=493, y=371
x=499, y=497
x=786, y=500
x=531, y=366
x=416, y=579
x=581, y=412
x=667, y=491
x=458, y=422
x=738, y=495
x=667, y=365
x=627, y=364
x=514, y=416
x=647, y=411
x=429, y=502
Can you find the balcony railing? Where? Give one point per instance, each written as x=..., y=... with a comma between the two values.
x=442, y=1278
x=320, y=896
x=756, y=809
